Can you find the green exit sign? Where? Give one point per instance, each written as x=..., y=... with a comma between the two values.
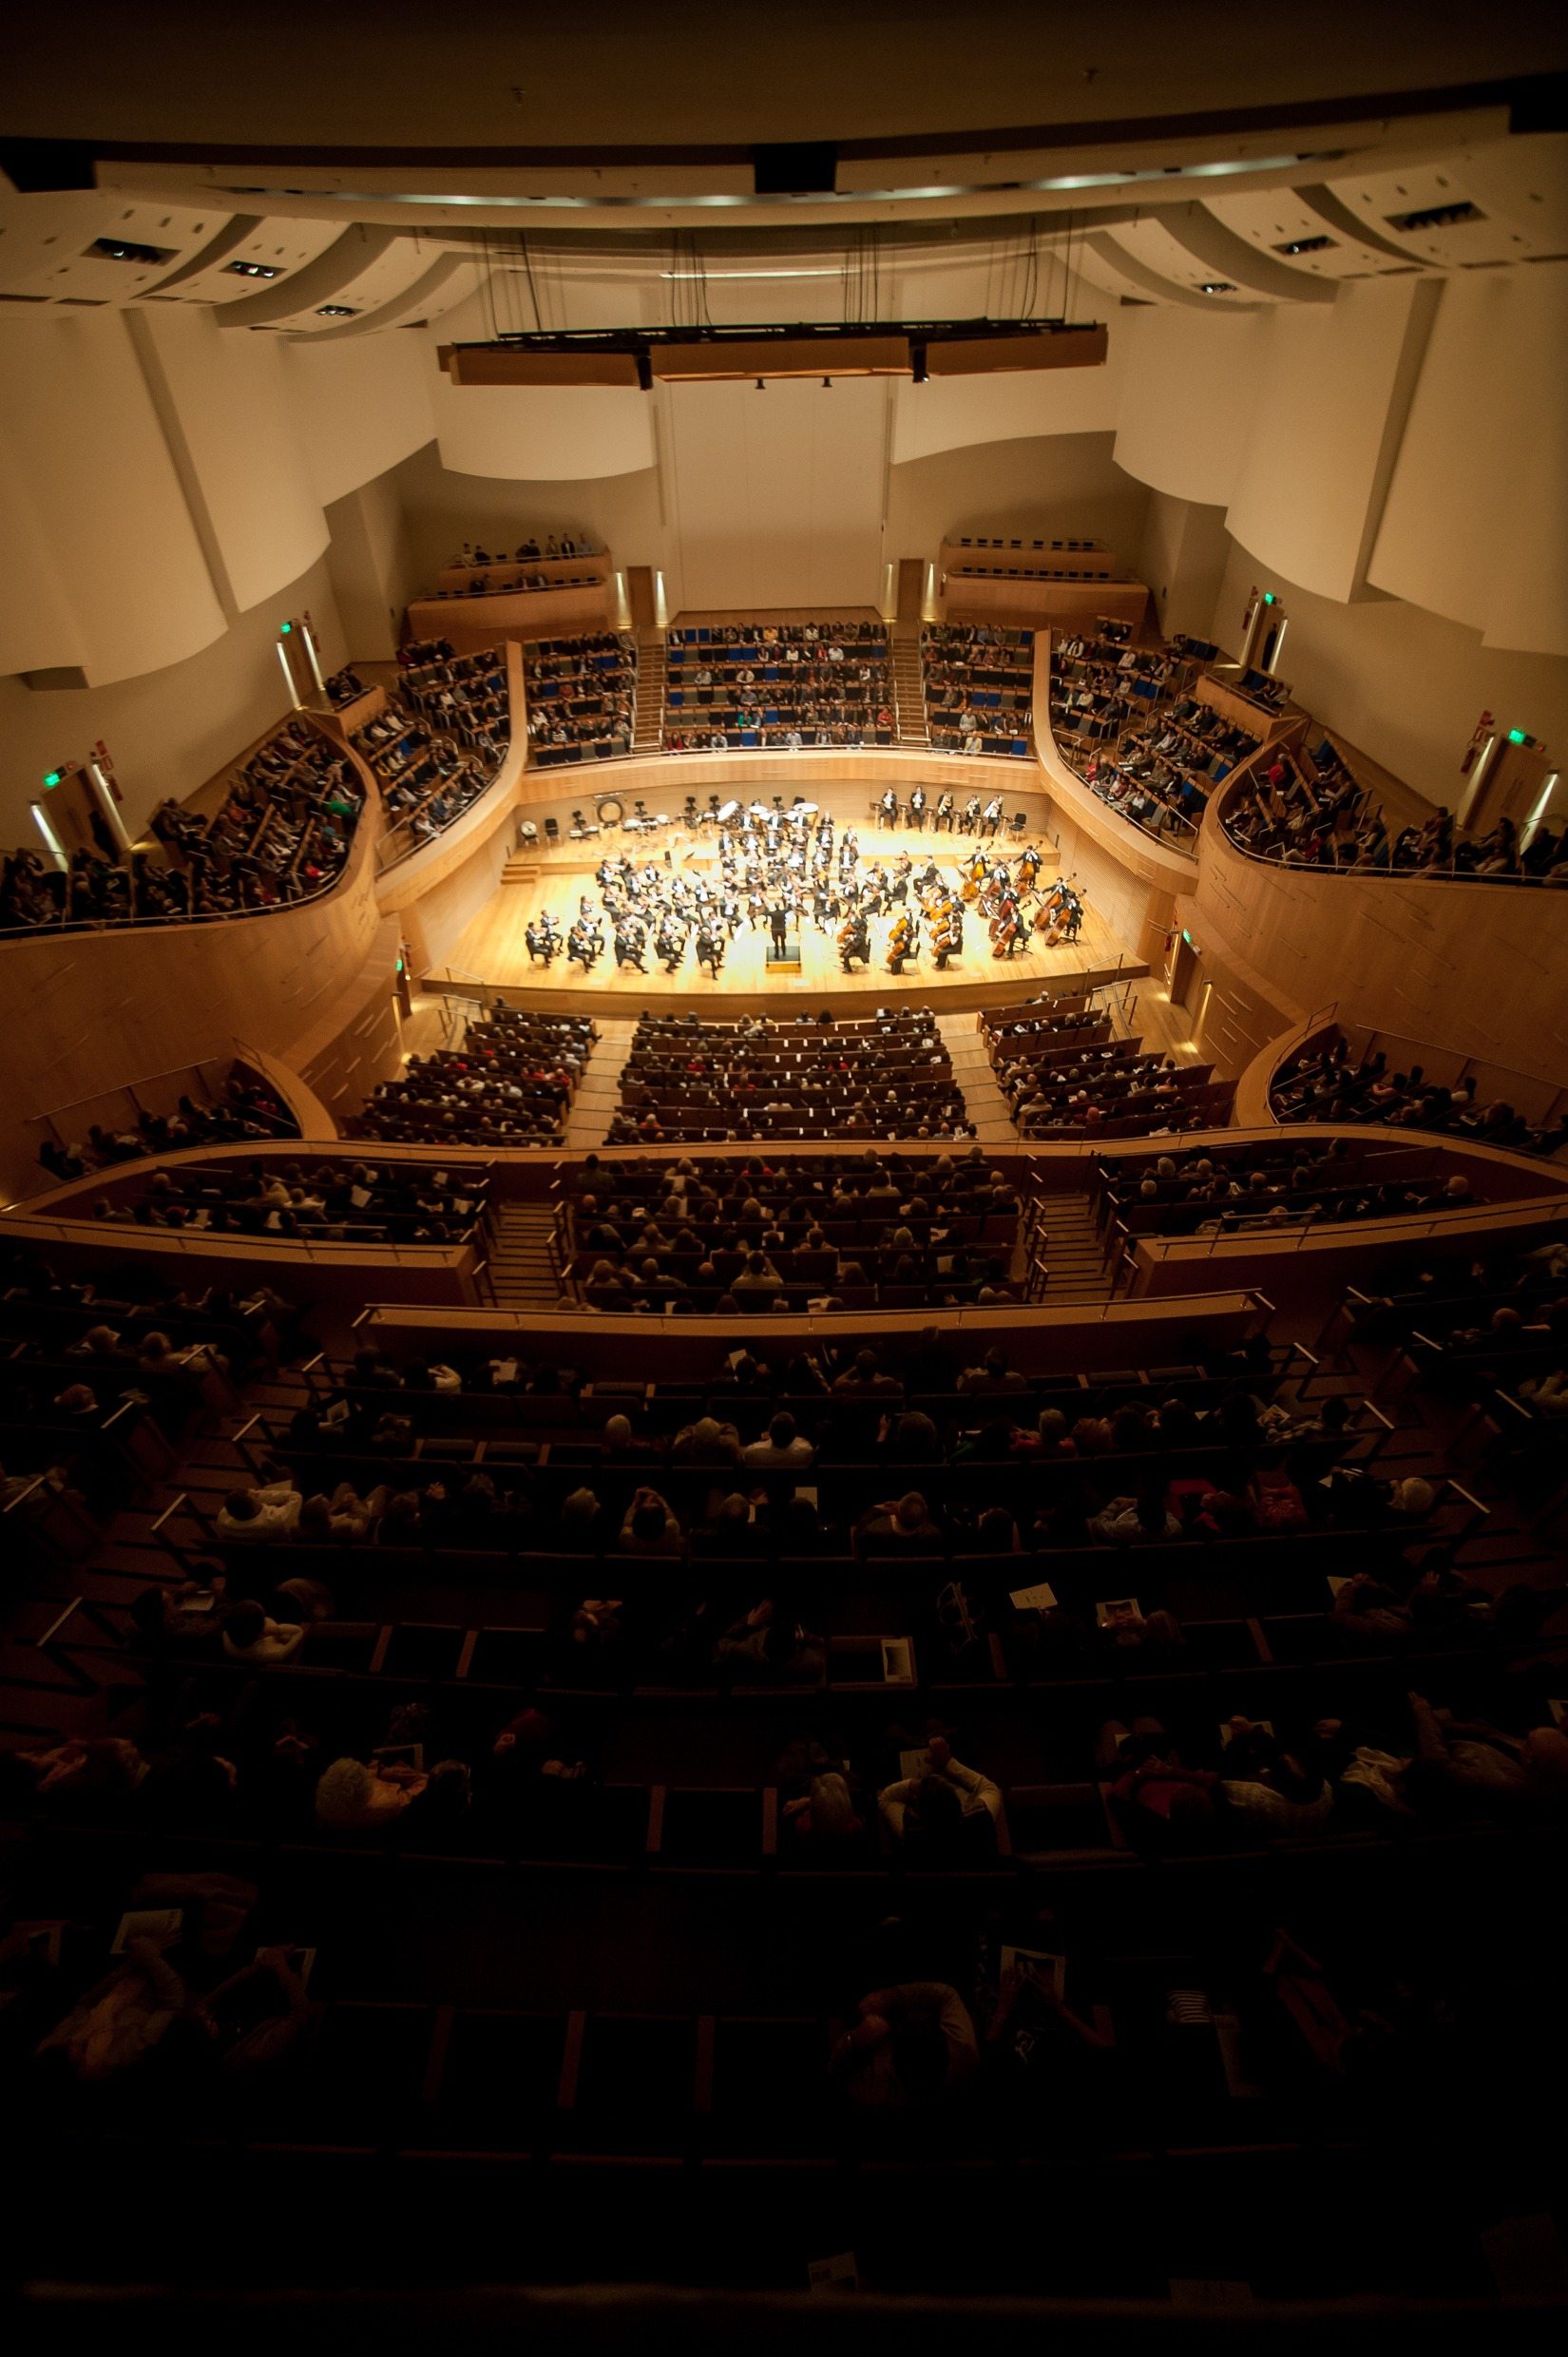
x=1518, y=736
x=53, y=779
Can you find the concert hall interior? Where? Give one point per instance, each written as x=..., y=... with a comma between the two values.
x=784, y=1170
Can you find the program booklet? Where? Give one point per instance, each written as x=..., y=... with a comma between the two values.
x=1037, y=1964
x=161, y=1924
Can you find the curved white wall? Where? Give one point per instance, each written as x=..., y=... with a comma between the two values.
x=538, y=433
x=1328, y=409
x=87, y=458
x=954, y=413
x=1186, y=398
x=1476, y=524
x=221, y=400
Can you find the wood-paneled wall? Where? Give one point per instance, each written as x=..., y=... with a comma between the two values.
x=88, y=1011
x=1479, y=968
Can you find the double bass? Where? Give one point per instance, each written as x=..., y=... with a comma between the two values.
x=1007, y=926
x=1060, y=915
x=947, y=934
x=1006, y=915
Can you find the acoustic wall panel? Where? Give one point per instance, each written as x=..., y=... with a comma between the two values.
x=1187, y=391
x=1476, y=521
x=81, y=424
x=1329, y=400
x=359, y=407
x=777, y=495
x=223, y=401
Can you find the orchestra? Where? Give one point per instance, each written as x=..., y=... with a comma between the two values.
x=779, y=870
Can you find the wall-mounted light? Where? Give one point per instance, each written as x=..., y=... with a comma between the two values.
x=1539, y=811
x=56, y=848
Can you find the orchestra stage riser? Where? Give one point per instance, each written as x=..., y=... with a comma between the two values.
x=494, y=949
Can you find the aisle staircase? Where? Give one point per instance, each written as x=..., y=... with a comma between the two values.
x=522, y=1271
x=983, y=1099
x=598, y=1091
x=648, y=713
x=908, y=686
x=1071, y=1249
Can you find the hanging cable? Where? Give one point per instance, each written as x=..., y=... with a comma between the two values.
x=528, y=272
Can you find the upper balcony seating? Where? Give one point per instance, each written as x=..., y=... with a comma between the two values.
x=979, y=687
x=1126, y=719
x=280, y=835
x=1305, y=809
x=780, y=685
x=1324, y=1085
x=582, y=696
x=440, y=742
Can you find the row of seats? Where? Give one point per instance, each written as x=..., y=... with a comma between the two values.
x=890, y=1073
x=1226, y=1190
x=1128, y=718
x=243, y=1107
x=510, y=1083
x=643, y=1867
x=309, y=1195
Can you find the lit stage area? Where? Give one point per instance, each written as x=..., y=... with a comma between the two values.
x=493, y=946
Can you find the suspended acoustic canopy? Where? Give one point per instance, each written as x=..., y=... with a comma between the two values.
x=638, y=357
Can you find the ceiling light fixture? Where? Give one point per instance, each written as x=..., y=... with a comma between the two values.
x=465, y=201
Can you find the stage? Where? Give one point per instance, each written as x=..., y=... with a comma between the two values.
x=492, y=948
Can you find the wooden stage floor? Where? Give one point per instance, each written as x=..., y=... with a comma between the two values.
x=491, y=947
